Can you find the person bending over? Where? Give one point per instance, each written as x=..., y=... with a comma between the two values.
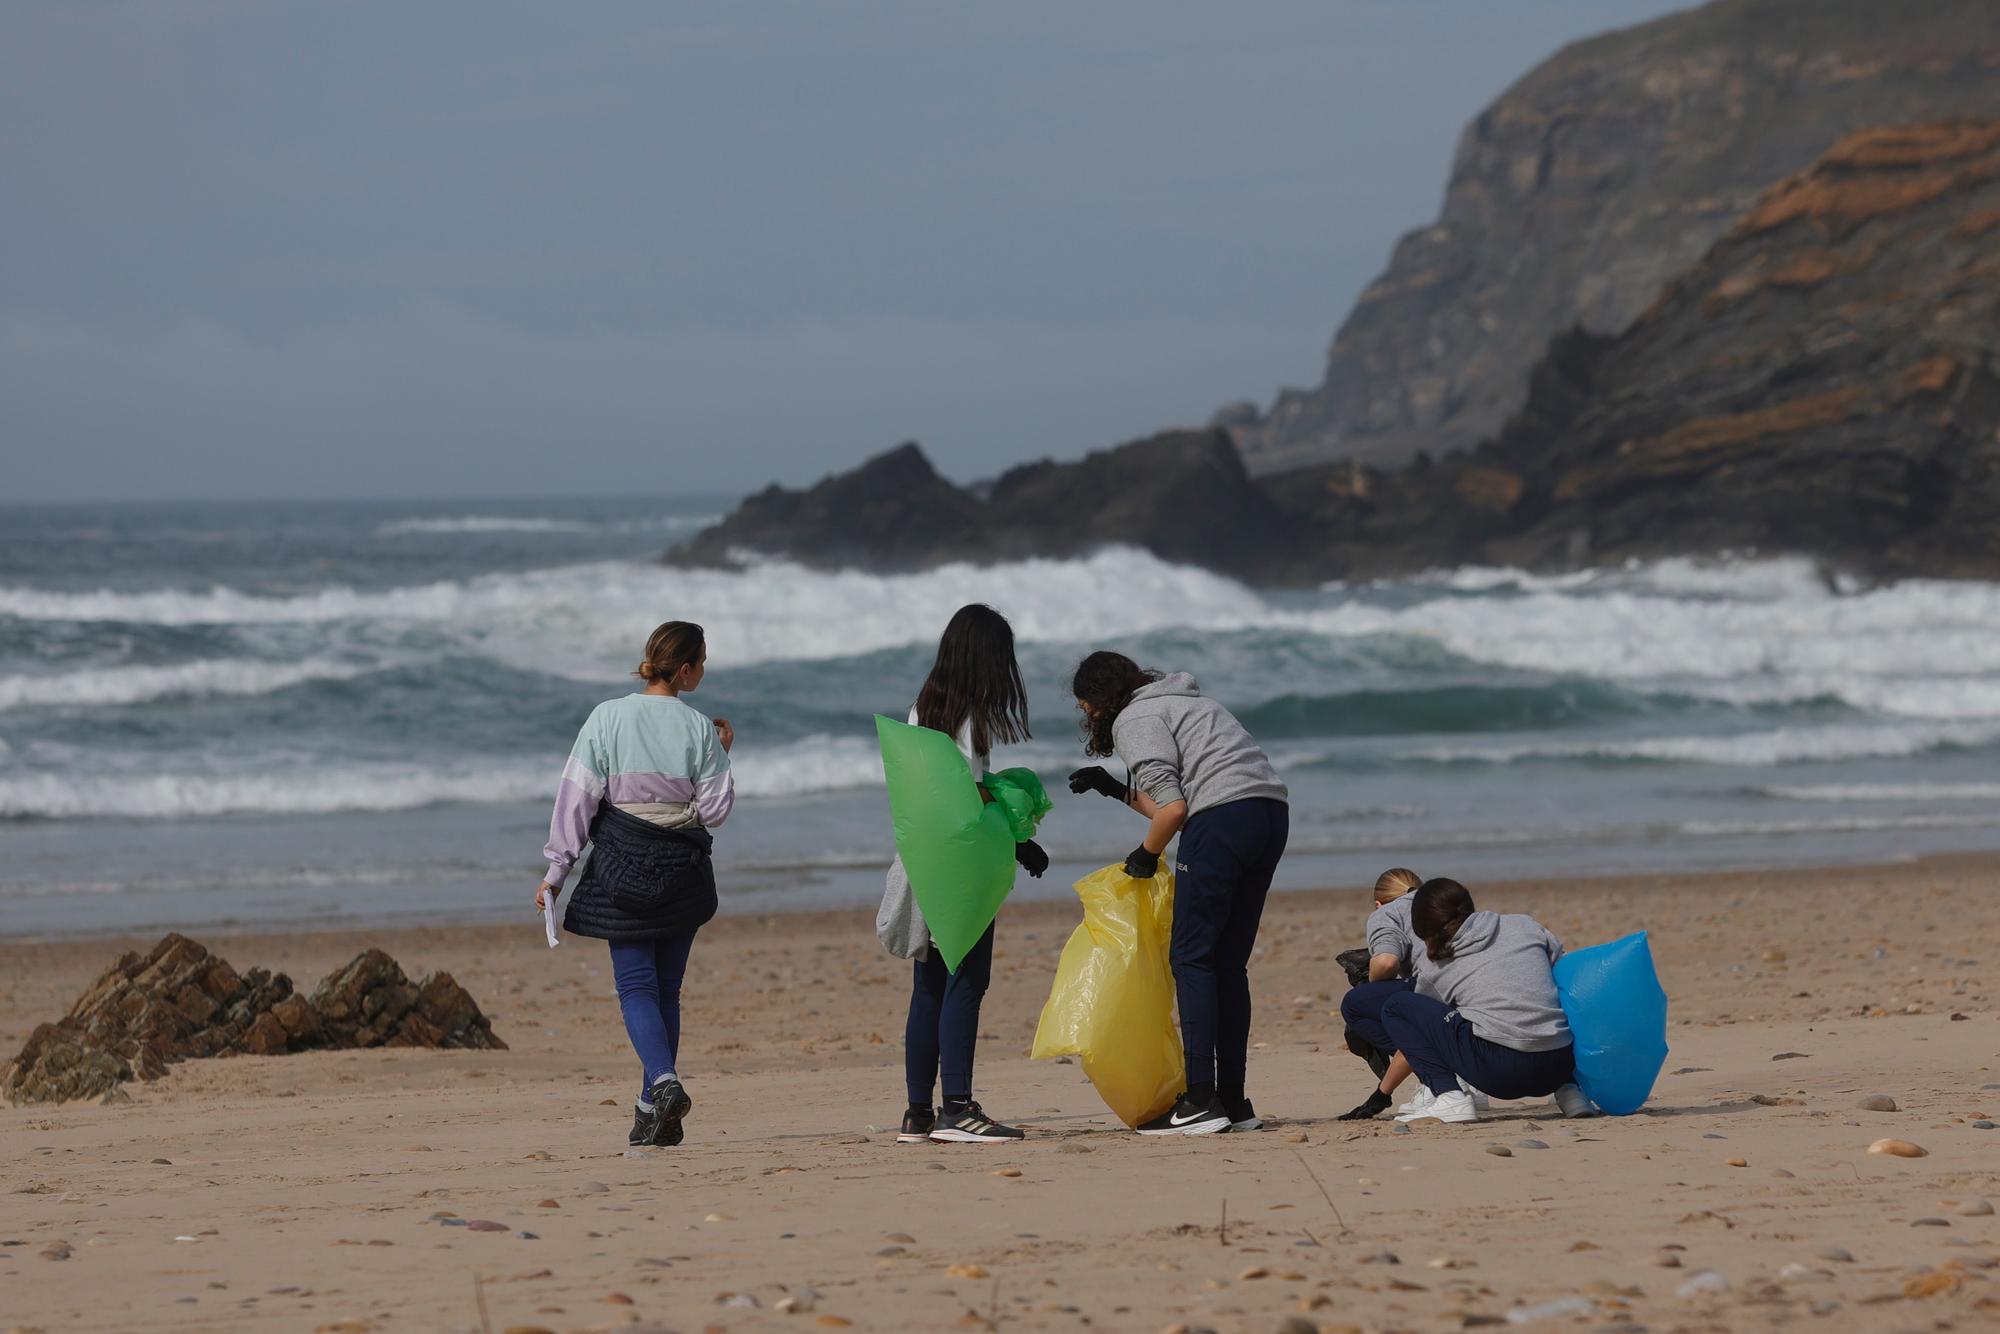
x=1390, y=943
x=1483, y=1013
x=1195, y=772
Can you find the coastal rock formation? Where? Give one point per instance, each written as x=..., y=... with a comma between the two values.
x=179, y=1002
x=1590, y=184
x=1824, y=381
x=1183, y=495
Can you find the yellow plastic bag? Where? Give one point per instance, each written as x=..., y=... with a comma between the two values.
x=1112, y=1005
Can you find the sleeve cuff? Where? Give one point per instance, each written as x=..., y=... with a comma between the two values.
x=555, y=875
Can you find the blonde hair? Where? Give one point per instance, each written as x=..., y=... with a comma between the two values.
x=1395, y=882
x=669, y=648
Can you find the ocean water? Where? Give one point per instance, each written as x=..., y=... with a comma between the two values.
x=331, y=712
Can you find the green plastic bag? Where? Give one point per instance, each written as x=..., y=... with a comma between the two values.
x=957, y=849
x=1112, y=1003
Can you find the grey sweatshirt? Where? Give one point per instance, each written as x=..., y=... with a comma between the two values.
x=1499, y=980
x=1181, y=745
x=1389, y=931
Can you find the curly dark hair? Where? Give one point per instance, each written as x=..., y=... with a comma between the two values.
x=1438, y=910
x=1104, y=684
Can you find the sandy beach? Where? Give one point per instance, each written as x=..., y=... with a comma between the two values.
x=308, y=1192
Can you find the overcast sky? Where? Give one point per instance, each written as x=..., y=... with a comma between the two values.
x=409, y=248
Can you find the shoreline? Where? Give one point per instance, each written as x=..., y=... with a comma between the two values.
x=302, y=1191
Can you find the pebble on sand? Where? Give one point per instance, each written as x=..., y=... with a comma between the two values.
x=1898, y=1148
x=486, y=1225
x=1737, y=1162
x=1667, y=1259
x=1839, y=1255
x=1529, y=1144
x=1930, y=1222
x=1877, y=1102
x=1499, y=1151
x=1790, y=1056
x=1702, y=1283
x=1972, y=1208
x=967, y=1271
x=1006, y=1171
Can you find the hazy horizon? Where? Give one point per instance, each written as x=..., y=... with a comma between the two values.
x=410, y=251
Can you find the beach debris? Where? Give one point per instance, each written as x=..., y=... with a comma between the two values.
x=1702, y=1283
x=486, y=1225
x=797, y=1303
x=1529, y=1144
x=1558, y=1309
x=1979, y=1208
x=737, y=1300
x=1877, y=1102
x=1982, y=1125
x=1382, y=1258
x=180, y=1002
x=56, y=1250
x=1898, y=1148
x=547, y=1204
x=1694, y=1070
x=1736, y=1162
x=1792, y=1056
x=718, y=1218
x=1667, y=1259
x=1499, y=1151
x=1006, y=1172
x=1839, y=1255
x=1930, y=1222
x=1802, y=1273
x=1252, y=1273
x=616, y=1299
x=594, y=1188
x=1945, y=1278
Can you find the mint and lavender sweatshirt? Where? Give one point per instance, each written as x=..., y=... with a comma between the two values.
x=642, y=750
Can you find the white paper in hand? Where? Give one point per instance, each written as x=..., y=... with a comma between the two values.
x=549, y=919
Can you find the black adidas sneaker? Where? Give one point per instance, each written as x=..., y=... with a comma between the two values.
x=971, y=1125
x=1188, y=1118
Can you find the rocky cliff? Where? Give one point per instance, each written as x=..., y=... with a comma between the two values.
x=1824, y=380
x=1595, y=180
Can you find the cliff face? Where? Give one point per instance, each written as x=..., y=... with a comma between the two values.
x=1592, y=182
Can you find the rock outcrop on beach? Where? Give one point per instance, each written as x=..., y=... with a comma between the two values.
x=1824, y=381
x=1586, y=187
x=180, y=1002
x=1183, y=495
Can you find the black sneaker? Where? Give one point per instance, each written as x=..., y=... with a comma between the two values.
x=661, y=1124
x=972, y=1126
x=918, y=1123
x=1188, y=1118
x=1242, y=1116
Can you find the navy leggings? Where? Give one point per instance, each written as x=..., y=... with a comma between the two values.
x=944, y=1022
x=648, y=974
x=1442, y=1048
x=1362, y=1006
x=1228, y=855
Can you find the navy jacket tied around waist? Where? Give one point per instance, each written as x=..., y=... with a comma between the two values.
x=642, y=881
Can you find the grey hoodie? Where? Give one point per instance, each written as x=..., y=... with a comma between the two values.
x=1181, y=745
x=1499, y=980
x=1389, y=931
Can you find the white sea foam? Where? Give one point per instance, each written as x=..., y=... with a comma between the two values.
x=1865, y=792
x=1787, y=745
x=139, y=685
x=446, y=525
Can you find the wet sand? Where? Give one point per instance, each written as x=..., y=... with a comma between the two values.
x=299, y=1192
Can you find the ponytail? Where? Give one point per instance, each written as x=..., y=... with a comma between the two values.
x=1436, y=913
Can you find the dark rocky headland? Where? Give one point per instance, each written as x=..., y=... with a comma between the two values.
x=1750, y=301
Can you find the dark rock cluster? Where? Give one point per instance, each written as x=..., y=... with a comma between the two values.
x=180, y=1002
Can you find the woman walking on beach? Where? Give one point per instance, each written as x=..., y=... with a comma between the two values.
x=1483, y=1016
x=1195, y=771
x=646, y=781
x=975, y=695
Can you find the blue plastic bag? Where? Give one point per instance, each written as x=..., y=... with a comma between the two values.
x=1617, y=1013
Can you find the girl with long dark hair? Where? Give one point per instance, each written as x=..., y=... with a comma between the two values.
x=1197, y=773
x=646, y=781
x=975, y=695
x=1483, y=1015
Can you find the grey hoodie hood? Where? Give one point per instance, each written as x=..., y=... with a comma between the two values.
x=1500, y=980
x=1182, y=746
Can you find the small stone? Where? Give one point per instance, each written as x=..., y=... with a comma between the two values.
x=717, y=1218
x=1839, y=1255
x=547, y=1204
x=1667, y=1259
x=1448, y=1262
x=903, y=1237
x=1252, y=1273
x=615, y=1299
x=1529, y=1144
x=1898, y=1148
x=967, y=1271
x=1580, y=1246
x=1982, y=1125
x=1713, y=1135
x=1787, y=1056
x=486, y=1225
x=1877, y=1102
x=56, y=1251
x=528, y=1329
x=163, y=1162
x=1737, y=1162
x=1974, y=1208
x=741, y=1301
x=607, y=1102
x=1382, y=1258
x=891, y=1252
x=1400, y=1129
x=1798, y=1273
x=1296, y=1137
x=1558, y=1309
x=1499, y=1151
x=833, y=1321
x=1782, y=1173
x=1929, y=1222
x=594, y=1188
x=1702, y=1283
x=1006, y=1171
x=1297, y=1324
x=417, y=1148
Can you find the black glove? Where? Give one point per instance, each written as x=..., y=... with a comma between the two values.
x=1096, y=779
x=1378, y=1102
x=1033, y=860
x=1141, y=864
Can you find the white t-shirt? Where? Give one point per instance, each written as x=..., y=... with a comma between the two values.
x=979, y=764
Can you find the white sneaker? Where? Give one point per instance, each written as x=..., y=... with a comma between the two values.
x=1418, y=1106
x=1480, y=1102
x=1453, y=1108
x=1571, y=1101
